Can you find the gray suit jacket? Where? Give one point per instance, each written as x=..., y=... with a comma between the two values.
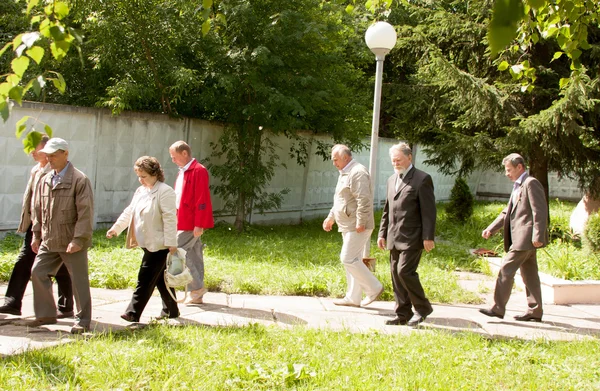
x=528, y=220
x=409, y=213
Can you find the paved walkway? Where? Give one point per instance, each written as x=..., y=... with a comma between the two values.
x=560, y=322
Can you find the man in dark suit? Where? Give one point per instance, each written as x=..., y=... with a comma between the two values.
x=407, y=227
x=525, y=223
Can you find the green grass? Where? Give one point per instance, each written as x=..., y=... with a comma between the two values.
x=270, y=358
x=304, y=260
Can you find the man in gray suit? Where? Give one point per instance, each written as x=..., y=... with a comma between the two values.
x=408, y=227
x=353, y=212
x=525, y=223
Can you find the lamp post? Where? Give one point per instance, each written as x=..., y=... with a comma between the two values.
x=380, y=38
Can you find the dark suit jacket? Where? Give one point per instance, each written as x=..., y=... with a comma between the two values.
x=409, y=213
x=528, y=220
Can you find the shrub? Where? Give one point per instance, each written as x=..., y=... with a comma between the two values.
x=591, y=233
x=460, y=207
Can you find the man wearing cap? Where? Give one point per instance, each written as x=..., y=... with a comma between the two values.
x=19, y=278
x=62, y=232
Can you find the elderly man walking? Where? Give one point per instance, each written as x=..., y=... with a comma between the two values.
x=62, y=232
x=21, y=273
x=194, y=214
x=352, y=211
x=524, y=222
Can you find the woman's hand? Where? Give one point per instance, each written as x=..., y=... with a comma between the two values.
x=172, y=250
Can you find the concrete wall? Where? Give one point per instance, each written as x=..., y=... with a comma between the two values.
x=105, y=148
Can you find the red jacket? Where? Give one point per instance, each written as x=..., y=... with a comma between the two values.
x=195, y=208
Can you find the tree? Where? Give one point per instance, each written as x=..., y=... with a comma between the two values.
x=52, y=35
x=450, y=96
x=278, y=67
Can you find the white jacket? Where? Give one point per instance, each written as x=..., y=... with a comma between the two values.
x=157, y=219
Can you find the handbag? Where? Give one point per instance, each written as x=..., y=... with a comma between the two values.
x=177, y=273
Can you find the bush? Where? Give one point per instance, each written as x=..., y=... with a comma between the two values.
x=460, y=207
x=591, y=233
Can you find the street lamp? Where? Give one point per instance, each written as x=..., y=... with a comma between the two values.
x=380, y=38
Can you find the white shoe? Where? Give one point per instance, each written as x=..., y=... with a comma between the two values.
x=369, y=299
x=344, y=302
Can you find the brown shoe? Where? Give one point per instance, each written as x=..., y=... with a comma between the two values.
x=39, y=322
x=79, y=329
x=63, y=315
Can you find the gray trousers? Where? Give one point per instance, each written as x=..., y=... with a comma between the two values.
x=194, y=259
x=47, y=264
x=526, y=262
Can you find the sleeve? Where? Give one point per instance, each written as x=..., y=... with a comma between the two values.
x=203, y=215
x=169, y=216
x=539, y=210
x=383, y=226
x=428, y=209
x=125, y=218
x=84, y=203
x=361, y=190
x=36, y=210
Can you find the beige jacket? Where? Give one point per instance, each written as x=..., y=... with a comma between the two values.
x=37, y=173
x=157, y=220
x=353, y=199
x=64, y=213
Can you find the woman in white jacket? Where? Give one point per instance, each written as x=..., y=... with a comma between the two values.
x=151, y=223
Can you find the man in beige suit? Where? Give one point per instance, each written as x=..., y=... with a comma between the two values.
x=525, y=224
x=353, y=212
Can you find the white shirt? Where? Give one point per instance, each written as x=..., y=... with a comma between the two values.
x=179, y=182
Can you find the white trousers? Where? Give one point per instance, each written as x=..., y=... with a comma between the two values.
x=359, y=277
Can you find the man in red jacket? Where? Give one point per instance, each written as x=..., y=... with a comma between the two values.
x=194, y=214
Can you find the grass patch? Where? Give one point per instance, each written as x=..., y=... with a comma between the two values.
x=304, y=260
x=256, y=357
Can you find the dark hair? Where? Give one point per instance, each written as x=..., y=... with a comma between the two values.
x=44, y=140
x=151, y=166
x=180, y=146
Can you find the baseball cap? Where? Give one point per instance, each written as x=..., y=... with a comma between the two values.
x=54, y=144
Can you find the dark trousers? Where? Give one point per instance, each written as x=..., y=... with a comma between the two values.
x=22, y=273
x=408, y=290
x=150, y=276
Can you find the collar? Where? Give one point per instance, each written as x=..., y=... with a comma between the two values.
x=184, y=168
x=520, y=179
x=63, y=171
x=348, y=167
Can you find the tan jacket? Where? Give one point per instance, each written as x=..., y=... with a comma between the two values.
x=157, y=219
x=37, y=173
x=353, y=199
x=64, y=213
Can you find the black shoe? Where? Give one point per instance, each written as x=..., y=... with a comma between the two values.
x=490, y=313
x=528, y=318
x=129, y=318
x=396, y=322
x=62, y=315
x=6, y=309
x=416, y=320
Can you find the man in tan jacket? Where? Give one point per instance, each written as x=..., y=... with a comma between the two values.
x=353, y=212
x=62, y=232
x=21, y=273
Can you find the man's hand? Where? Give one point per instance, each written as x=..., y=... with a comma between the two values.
x=428, y=245
x=360, y=228
x=35, y=246
x=73, y=248
x=198, y=231
x=327, y=224
x=537, y=244
x=486, y=233
x=381, y=243
x=111, y=233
